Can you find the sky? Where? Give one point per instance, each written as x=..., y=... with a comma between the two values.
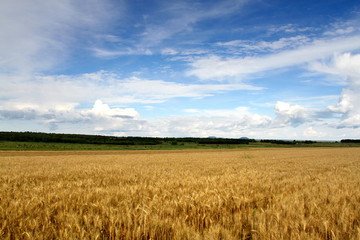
x=233, y=68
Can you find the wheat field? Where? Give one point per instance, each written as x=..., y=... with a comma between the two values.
x=189, y=194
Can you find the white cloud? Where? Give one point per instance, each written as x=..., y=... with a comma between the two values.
x=100, y=117
x=101, y=109
x=267, y=46
x=105, y=118
x=346, y=102
x=287, y=114
x=317, y=102
x=168, y=51
x=346, y=66
x=291, y=122
x=350, y=121
x=56, y=100
x=311, y=133
x=216, y=67
x=341, y=31
x=180, y=16
x=174, y=19
x=204, y=123
x=107, y=53
x=38, y=35
x=126, y=121
x=48, y=91
x=290, y=28
x=344, y=27
x=149, y=108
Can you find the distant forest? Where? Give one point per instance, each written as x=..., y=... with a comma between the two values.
x=111, y=140
x=99, y=139
x=350, y=141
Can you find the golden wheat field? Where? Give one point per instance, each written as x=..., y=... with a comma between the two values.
x=186, y=194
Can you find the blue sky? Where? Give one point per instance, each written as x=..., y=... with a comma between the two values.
x=260, y=69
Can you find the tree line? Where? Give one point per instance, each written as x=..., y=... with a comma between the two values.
x=112, y=140
x=100, y=139
x=286, y=142
x=350, y=141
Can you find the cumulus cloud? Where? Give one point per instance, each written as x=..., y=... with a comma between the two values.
x=310, y=132
x=222, y=123
x=61, y=100
x=101, y=116
x=103, y=110
x=104, y=118
x=289, y=114
x=238, y=122
x=291, y=121
x=346, y=66
x=349, y=121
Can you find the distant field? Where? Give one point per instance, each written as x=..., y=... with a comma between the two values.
x=283, y=193
x=43, y=146
x=49, y=146
x=37, y=141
